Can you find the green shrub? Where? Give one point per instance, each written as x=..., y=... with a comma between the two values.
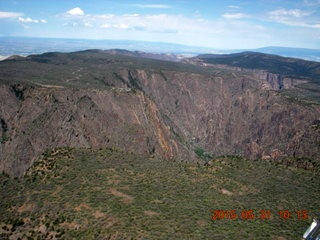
x=201, y=153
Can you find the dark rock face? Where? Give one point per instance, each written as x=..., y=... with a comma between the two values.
x=50, y=118
x=273, y=81
x=160, y=111
x=234, y=116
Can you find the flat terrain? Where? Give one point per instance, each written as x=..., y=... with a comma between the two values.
x=106, y=194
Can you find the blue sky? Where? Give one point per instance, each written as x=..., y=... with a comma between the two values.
x=226, y=24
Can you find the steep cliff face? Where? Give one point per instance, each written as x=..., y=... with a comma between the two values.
x=57, y=117
x=273, y=81
x=229, y=115
x=96, y=100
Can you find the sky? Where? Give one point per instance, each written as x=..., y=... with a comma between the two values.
x=223, y=24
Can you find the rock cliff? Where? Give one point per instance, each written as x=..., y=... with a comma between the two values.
x=49, y=117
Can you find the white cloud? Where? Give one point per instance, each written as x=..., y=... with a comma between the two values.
x=76, y=11
x=27, y=20
x=132, y=15
x=302, y=24
x=9, y=14
x=106, y=25
x=121, y=26
x=281, y=13
x=88, y=25
x=30, y=20
x=161, y=27
x=238, y=31
x=234, y=15
x=293, y=17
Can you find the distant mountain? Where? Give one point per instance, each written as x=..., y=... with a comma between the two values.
x=158, y=56
x=289, y=67
x=303, y=53
x=26, y=46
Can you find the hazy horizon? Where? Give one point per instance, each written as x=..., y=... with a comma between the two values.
x=25, y=46
x=231, y=24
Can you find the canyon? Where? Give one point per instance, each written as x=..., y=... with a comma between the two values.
x=98, y=99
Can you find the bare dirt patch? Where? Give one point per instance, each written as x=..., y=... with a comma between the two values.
x=150, y=213
x=280, y=238
x=26, y=207
x=71, y=225
x=81, y=207
x=98, y=214
x=124, y=197
x=226, y=192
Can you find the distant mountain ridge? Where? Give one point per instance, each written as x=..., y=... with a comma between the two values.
x=26, y=46
x=290, y=67
x=303, y=53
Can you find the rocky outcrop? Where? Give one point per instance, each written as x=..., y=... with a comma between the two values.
x=272, y=81
x=233, y=116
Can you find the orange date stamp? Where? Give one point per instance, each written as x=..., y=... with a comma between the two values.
x=263, y=214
